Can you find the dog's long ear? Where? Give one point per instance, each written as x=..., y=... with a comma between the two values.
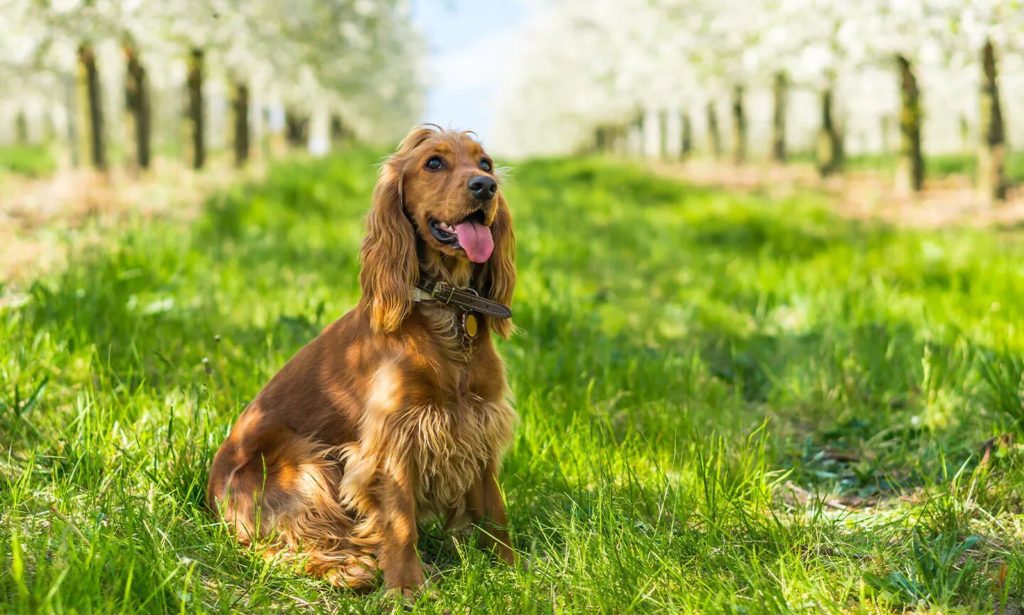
x=501, y=268
x=390, y=268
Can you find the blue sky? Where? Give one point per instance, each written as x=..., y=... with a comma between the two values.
x=471, y=44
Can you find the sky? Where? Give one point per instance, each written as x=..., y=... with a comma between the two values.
x=471, y=46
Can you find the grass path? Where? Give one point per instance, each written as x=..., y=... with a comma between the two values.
x=727, y=402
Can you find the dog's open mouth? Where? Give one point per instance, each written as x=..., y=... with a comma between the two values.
x=445, y=233
x=471, y=235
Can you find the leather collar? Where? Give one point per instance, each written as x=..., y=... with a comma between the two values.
x=464, y=299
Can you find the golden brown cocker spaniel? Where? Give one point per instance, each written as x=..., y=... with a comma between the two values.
x=398, y=410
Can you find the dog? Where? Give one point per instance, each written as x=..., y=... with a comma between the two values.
x=398, y=411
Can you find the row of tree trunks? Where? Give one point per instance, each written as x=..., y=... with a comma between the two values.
x=991, y=180
x=829, y=151
x=612, y=138
x=139, y=110
x=991, y=175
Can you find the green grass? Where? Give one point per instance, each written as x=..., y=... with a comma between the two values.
x=939, y=165
x=28, y=160
x=704, y=381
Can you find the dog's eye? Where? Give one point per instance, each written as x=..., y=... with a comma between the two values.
x=485, y=165
x=435, y=163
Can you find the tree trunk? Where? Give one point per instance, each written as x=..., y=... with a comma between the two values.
x=965, y=134
x=136, y=98
x=992, y=154
x=21, y=128
x=911, y=164
x=94, y=105
x=296, y=128
x=240, y=107
x=886, y=127
x=195, y=107
x=70, y=85
x=339, y=133
x=687, y=134
x=601, y=139
x=779, y=91
x=739, y=126
x=830, y=144
x=714, y=135
x=663, y=134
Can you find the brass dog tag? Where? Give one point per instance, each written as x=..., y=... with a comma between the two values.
x=469, y=325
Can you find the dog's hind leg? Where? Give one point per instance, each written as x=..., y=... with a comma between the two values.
x=288, y=495
x=331, y=539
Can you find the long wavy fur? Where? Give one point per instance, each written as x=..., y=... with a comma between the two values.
x=499, y=280
x=389, y=264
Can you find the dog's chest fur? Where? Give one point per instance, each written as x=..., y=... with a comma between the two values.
x=457, y=437
x=452, y=446
x=442, y=447
x=444, y=444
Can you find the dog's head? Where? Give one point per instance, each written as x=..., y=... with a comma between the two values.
x=438, y=206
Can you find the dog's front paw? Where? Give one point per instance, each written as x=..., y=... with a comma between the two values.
x=406, y=581
x=505, y=553
x=409, y=595
x=405, y=594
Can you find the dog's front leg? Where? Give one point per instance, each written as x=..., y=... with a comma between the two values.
x=398, y=559
x=487, y=510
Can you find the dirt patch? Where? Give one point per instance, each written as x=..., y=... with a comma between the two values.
x=950, y=201
x=41, y=218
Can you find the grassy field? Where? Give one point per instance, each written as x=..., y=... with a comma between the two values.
x=727, y=403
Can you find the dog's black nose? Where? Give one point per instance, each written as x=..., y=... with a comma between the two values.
x=482, y=187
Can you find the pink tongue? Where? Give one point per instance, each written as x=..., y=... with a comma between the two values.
x=476, y=240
